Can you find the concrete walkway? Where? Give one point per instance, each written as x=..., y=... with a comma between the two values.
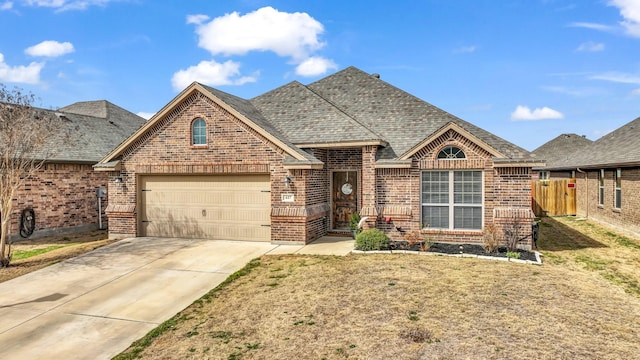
x=94, y=306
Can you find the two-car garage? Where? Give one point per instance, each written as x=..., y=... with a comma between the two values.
x=224, y=207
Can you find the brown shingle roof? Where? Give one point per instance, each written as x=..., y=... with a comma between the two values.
x=402, y=119
x=94, y=128
x=561, y=149
x=619, y=148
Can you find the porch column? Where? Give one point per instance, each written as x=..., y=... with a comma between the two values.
x=369, y=200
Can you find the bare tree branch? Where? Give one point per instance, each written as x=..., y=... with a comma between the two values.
x=28, y=138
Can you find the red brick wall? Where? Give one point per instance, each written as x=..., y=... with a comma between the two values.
x=232, y=147
x=63, y=197
x=507, y=192
x=627, y=218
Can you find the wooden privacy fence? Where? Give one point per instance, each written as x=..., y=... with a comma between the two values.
x=553, y=197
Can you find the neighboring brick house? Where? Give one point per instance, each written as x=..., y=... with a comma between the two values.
x=293, y=164
x=556, y=150
x=607, y=175
x=63, y=193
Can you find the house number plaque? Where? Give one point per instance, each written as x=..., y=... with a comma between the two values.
x=287, y=197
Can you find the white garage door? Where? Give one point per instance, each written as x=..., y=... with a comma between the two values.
x=206, y=207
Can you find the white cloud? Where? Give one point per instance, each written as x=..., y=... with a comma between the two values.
x=630, y=11
x=7, y=5
x=29, y=74
x=294, y=35
x=211, y=73
x=525, y=113
x=145, y=115
x=577, y=92
x=600, y=133
x=590, y=46
x=64, y=5
x=197, y=19
x=617, y=77
x=592, y=26
x=314, y=66
x=465, y=49
x=635, y=92
x=50, y=48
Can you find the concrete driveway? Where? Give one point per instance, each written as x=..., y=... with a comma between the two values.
x=94, y=306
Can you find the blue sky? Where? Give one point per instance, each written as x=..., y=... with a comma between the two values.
x=526, y=70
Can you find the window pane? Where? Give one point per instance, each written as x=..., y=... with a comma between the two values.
x=435, y=217
x=618, y=199
x=601, y=196
x=199, y=132
x=435, y=187
x=467, y=187
x=467, y=217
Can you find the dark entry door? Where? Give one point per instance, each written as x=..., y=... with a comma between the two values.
x=345, y=197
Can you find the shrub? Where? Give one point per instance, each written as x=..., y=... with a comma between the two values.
x=512, y=234
x=414, y=238
x=372, y=239
x=490, y=240
x=354, y=222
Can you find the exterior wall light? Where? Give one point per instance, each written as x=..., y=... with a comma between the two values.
x=287, y=181
x=118, y=180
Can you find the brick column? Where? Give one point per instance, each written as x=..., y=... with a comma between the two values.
x=369, y=200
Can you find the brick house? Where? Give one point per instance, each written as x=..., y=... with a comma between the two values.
x=607, y=174
x=63, y=193
x=293, y=164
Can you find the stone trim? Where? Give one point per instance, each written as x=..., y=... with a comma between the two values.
x=307, y=212
x=202, y=168
x=430, y=164
x=512, y=213
x=395, y=210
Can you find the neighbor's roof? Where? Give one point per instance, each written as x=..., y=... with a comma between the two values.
x=617, y=149
x=94, y=128
x=561, y=149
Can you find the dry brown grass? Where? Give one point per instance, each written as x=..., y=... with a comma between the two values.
x=584, y=245
x=418, y=307
x=80, y=243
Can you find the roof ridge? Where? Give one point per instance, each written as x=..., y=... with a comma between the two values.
x=352, y=117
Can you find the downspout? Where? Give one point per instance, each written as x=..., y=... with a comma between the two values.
x=586, y=189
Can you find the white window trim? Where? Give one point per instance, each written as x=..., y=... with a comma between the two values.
x=193, y=134
x=617, y=177
x=451, y=205
x=601, y=187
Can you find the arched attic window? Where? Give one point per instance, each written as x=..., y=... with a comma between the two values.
x=451, y=152
x=198, y=132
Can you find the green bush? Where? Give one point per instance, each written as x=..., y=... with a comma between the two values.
x=372, y=239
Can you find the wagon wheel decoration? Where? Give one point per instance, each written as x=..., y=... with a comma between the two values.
x=27, y=222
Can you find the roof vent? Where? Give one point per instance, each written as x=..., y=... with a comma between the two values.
x=376, y=75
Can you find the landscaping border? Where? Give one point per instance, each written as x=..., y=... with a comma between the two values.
x=485, y=257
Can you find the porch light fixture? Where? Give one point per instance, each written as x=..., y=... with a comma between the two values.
x=287, y=181
x=118, y=180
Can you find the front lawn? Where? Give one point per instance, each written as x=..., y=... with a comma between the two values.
x=419, y=307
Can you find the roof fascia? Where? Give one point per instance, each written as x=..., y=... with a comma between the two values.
x=183, y=95
x=342, y=144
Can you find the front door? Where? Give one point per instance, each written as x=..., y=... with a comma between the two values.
x=345, y=198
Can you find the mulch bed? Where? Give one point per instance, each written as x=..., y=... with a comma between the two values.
x=453, y=249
